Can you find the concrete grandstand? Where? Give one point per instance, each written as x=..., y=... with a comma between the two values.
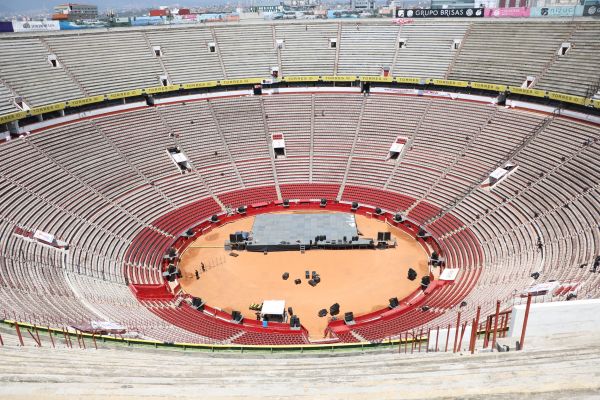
x=497, y=166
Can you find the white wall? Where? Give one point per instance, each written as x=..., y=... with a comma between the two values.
x=576, y=316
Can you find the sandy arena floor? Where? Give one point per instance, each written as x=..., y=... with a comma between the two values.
x=359, y=280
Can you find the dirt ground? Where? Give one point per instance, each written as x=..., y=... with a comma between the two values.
x=361, y=281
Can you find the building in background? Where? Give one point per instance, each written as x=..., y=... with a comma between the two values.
x=74, y=12
x=265, y=6
x=454, y=3
x=301, y=4
x=363, y=4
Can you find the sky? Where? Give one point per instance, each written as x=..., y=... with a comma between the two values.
x=28, y=6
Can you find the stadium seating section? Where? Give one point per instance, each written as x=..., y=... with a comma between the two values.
x=107, y=187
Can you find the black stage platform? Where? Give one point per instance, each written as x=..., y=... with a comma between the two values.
x=284, y=232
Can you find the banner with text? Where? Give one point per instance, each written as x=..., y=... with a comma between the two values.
x=440, y=13
x=35, y=26
x=558, y=11
x=591, y=11
x=511, y=12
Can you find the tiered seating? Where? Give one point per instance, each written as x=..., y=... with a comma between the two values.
x=378, y=198
x=7, y=105
x=564, y=74
x=196, y=131
x=260, y=338
x=306, y=48
x=428, y=48
x=107, y=188
x=490, y=47
x=309, y=191
x=366, y=49
x=197, y=322
x=144, y=255
x=503, y=52
x=25, y=66
x=238, y=44
x=247, y=197
x=177, y=221
x=142, y=140
x=108, y=62
x=184, y=47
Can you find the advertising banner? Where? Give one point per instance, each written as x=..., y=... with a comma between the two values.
x=144, y=21
x=591, y=11
x=35, y=26
x=6, y=26
x=440, y=13
x=71, y=25
x=558, y=11
x=511, y=12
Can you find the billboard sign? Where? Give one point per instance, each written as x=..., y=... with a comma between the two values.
x=440, y=13
x=511, y=12
x=591, y=11
x=35, y=26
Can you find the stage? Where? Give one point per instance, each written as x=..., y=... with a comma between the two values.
x=281, y=232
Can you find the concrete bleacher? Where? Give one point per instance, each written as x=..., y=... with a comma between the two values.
x=7, y=104
x=526, y=47
x=428, y=49
x=185, y=47
x=558, y=366
x=366, y=49
x=306, y=49
x=565, y=72
x=105, y=63
x=25, y=67
x=95, y=63
x=130, y=201
x=238, y=44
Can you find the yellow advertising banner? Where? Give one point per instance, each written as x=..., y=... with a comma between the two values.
x=126, y=93
x=339, y=78
x=199, y=85
x=84, y=101
x=307, y=78
x=489, y=86
x=376, y=78
x=528, y=92
x=12, y=117
x=567, y=98
x=447, y=82
x=47, y=109
x=162, y=89
x=406, y=79
x=247, y=81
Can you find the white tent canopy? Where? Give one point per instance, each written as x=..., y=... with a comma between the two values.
x=273, y=307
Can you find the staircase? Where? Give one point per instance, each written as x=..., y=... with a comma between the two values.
x=457, y=54
x=534, y=133
x=218, y=50
x=133, y=167
x=408, y=145
x=358, y=125
x=271, y=151
x=222, y=136
x=96, y=192
x=159, y=59
x=64, y=66
x=337, y=49
x=194, y=169
x=449, y=168
x=312, y=137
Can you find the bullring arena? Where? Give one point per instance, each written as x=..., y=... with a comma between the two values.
x=124, y=170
